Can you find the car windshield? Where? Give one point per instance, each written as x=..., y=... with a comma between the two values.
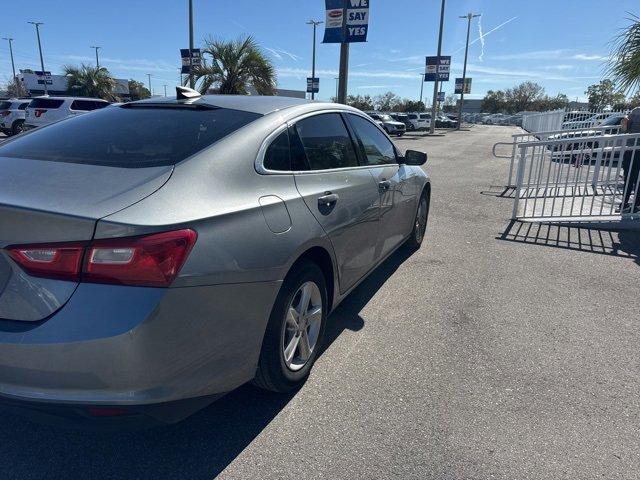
x=131, y=136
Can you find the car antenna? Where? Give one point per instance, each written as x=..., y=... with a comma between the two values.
x=183, y=93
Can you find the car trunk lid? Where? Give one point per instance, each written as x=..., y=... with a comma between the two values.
x=43, y=202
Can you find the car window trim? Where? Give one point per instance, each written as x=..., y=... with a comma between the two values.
x=259, y=162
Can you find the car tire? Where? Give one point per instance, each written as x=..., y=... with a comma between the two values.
x=420, y=223
x=281, y=367
x=17, y=127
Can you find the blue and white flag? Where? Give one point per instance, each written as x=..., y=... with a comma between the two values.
x=347, y=21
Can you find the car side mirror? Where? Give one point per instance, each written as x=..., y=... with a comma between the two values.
x=413, y=157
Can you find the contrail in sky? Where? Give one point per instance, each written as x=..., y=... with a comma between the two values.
x=481, y=38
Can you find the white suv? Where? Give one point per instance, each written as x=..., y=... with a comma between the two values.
x=12, y=115
x=419, y=121
x=45, y=110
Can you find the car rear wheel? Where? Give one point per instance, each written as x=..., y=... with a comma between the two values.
x=18, y=127
x=420, y=223
x=295, y=330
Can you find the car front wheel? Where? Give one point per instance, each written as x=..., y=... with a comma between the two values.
x=295, y=330
x=18, y=127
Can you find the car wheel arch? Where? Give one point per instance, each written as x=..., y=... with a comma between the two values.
x=323, y=258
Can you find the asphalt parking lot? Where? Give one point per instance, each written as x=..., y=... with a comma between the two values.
x=499, y=350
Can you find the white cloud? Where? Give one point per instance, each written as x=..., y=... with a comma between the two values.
x=588, y=57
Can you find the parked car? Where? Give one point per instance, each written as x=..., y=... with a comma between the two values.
x=426, y=118
x=45, y=110
x=443, y=121
x=12, y=115
x=391, y=126
x=416, y=123
x=402, y=118
x=586, y=121
x=158, y=254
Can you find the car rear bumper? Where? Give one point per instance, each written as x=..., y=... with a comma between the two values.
x=136, y=347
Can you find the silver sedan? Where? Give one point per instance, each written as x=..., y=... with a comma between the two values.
x=158, y=254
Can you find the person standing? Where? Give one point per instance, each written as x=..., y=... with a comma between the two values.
x=631, y=163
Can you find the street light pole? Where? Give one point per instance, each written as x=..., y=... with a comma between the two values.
x=149, y=77
x=315, y=23
x=469, y=17
x=434, y=107
x=13, y=65
x=165, y=90
x=37, y=24
x=337, y=79
x=191, y=79
x=421, y=86
x=97, y=60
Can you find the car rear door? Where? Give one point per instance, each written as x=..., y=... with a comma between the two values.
x=340, y=193
x=398, y=194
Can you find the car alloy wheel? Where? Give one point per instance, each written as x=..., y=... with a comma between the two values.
x=421, y=220
x=302, y=325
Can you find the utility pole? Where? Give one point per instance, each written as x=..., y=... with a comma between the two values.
x=336, y=79
x=37, y=25
x=422, y=75
x=97, y=60
x=165, y=90
x=434, y=107
x=343, y=74
x=315, y=23
x=13, y=65
x=469, y=17
x=149, y=77
x=191, y=80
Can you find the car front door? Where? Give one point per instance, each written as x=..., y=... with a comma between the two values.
x=398, y=194
x=340, y=193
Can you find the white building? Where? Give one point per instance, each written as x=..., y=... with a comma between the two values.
x=57, y=85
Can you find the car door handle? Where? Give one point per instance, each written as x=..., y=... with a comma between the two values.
x=328, y=199
x=384, y=185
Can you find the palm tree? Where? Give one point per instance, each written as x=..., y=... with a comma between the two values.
x=235, y=65
x=624, y=64
x=90, y=81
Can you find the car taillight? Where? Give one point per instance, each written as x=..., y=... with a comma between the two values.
x=39, y=112
x=5, y=113
x=152, y=260
x=58, y=261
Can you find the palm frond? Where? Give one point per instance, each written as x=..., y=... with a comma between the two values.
x=624, y=64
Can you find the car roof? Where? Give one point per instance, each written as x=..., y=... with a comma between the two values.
x=70, y=98
x=248, y=103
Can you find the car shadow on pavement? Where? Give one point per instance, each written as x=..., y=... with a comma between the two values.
x=625, y=243
x=200, y=447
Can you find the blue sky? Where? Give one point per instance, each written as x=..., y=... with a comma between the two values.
x=560, y=44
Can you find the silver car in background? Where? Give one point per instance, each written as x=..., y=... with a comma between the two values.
x=158, y=254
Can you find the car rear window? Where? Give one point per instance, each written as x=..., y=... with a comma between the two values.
x=45, y=103
x=5, y=105
x=87, y=105
x=128, y=136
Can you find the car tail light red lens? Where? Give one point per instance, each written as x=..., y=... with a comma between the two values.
x=39, y=112
x=5, y=113
x=58, y=261
x=152, y=260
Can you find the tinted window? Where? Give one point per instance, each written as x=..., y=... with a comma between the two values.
x=277, y=156
x=413, y=117
x=129, y=136
x=326, y=142
x=23, y=106
x=87, y=105
x=45, y=103
x=376, y=148
x=5, y=105
x=425, y=116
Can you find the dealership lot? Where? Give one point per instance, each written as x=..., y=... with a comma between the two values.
x=499, y=350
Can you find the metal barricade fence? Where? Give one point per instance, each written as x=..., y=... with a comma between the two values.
x=533, y=137
x=583, y=178
x=566, y=120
